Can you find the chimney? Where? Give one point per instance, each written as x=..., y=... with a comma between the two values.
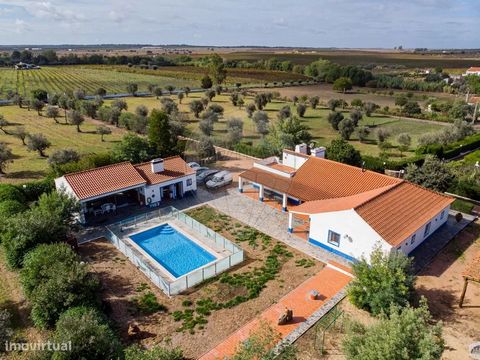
x=157, y=166
x=318, y=152
x=301, y=148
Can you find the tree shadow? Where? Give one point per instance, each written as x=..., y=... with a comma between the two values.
x=441, y=302
x=26, y=174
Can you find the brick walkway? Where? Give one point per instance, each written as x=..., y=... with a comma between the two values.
x=328, y=282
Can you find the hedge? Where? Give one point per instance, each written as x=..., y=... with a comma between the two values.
x=451, y=150
x=33, y=189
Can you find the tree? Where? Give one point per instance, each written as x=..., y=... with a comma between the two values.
x=412, y=108
x=289, y=132
x=218, y=89
x=170, y=89
x=234, y=98
x=210, y=94
x=187, y=90
x=216, y=108
x=63, y=156
x=88, y=108
x=196, y=107
x=79, y=94
x=261, y=121
x=206, y=149
x=206, y=82
x=157, y=91
x=169, y=106
x=180, y=96
x=37, y=105
x=433, y=174
x=65, y=103
x=314, y=100
x=341, y=151
x=234, y=130
x=333, y=104
x=382, y=134
x=250, y=109
x=217, y=69
x=89, y=334
x=261, y=100
x=52, y=113
x=132, y=89
x=370, y=108
x=405, y=141
x=20, y=133
x=390, y=339
x=356, y=116
x=401, y=100
x=6, y=157
x=103, y=130
x=38, y=142
x=18, y=100
x=101, y=92
x=159, y=134
x=120, y=104
x=346, y=127
x=284, y=113
x=141, y=110
x=206, y=126
x=132, y=148
x=357, y=103
x=301, y=109
x=3, y=123
x=334, y=118
x=343, y=84
x=76, y=118
x=363, y=133
x=40, y=95
x=135, y=352
x=384, y=280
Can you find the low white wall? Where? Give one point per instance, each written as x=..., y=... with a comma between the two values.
x=294, y=161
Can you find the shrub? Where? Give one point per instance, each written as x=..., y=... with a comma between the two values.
x=301, y=109
x=148, y=304
x=90, y=335
x=135, y=352
x=9, y=208
x=389, y=338
x=341, y=151
x=433, y=174
x=33, y=189
x=10, y=192
x=5, y=329
x=386, y=280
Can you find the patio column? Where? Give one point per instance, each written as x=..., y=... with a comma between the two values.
x=261, y=193
x=240, y=184
x=284, y=203
x=290, y=222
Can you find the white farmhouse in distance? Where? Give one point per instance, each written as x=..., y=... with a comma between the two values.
x=474, y=70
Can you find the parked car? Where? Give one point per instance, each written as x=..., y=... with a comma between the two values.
x=220, y=179
x=206, y=175
x=193, y=165
x=201, y=169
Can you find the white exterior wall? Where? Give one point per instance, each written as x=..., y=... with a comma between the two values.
x=294, y=161
x=407, y=247
x=272, y=170
x=155, y=189
x=349, y=225
x=61, y=184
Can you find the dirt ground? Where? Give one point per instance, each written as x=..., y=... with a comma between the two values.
x=325, y=93
x=121, y=281
x=441, y=283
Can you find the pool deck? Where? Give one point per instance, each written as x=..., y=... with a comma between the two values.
x=329, y=282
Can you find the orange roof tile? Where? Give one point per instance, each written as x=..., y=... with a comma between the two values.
x=268, y=179
x=400, y=211
x=474, y=68
x=283, y=168
x=338, y=204
x=103, y=180
x=174, y=167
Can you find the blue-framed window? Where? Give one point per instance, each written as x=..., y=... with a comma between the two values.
x=333, y=238
x=189, y=182
x=427, y=230
x=442, y=214
x=413, y=238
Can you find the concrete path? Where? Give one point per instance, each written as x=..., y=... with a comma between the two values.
x=329, y=282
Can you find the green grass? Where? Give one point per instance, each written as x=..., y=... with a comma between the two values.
x=462, y=206
x=29, y=165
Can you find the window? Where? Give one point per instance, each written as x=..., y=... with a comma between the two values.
x=333, y=238
x=427, y=230
x=189, y=182
x=413, y=238
x=442, y=214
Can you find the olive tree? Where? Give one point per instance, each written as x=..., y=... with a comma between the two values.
x=6, y=157
x=20, y=133
x=38, y=142
x=76, y=118
x=132, y=89
x=234, y=130
x=52, y=113
x=196, y=107
x=103, y=130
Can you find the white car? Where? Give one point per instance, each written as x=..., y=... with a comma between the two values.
x=220, y=179
x=194, y=165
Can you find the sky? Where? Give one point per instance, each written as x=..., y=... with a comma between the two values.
x=292, y=23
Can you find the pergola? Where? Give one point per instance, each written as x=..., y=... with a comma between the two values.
x=471, y=273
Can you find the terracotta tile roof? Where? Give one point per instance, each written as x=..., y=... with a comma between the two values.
x=400, y=211
x=268, y=179
x=474, y=100
x=103, y=180
x=281, y=167
x=472, y=271
x=338, y=204
x=174, y=167
x=474, y=68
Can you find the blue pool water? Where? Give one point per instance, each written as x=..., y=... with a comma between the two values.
x=173, y=250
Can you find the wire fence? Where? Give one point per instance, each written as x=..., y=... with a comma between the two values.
x=118, y=235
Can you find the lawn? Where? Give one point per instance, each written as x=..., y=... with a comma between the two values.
x=29, y=165
x=316, y=120
x=203, y=316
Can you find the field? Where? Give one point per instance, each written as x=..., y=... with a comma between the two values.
x=29, y=165
x=58, y=79
x=316, y=120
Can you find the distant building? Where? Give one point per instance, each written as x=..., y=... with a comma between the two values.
x=24, y=66
x=473, y=71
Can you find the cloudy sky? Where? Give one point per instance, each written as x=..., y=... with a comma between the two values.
x=315, y=23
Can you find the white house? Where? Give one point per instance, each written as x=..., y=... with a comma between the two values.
x=474, y=70
x=112, y=187
x=345, y=209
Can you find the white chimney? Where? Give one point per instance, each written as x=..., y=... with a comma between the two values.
x=301, y=148
x=157, y=165
x=318, y=152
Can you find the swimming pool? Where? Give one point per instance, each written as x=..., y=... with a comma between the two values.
x=171, y=249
